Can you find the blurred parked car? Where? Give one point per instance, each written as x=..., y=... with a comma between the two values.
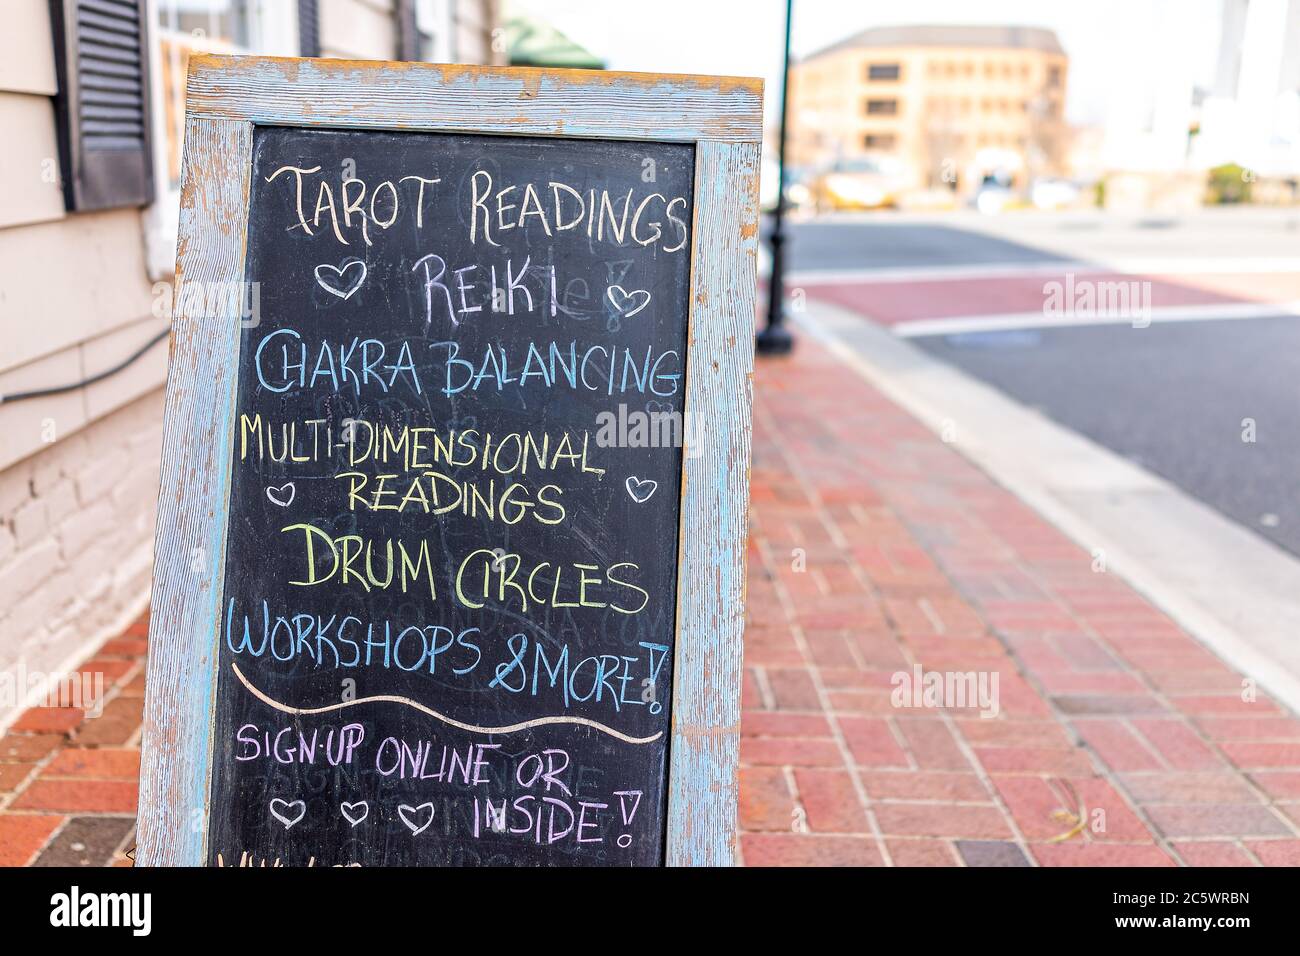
x=865, y=182
x=994, y=194
x=1049, y=192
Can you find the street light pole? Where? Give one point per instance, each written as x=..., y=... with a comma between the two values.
x=775, y=338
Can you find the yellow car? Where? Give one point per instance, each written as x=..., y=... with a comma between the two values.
x=864, y=183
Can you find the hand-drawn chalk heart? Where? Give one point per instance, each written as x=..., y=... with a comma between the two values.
x=410, y=816
x=621, y=299
x=284, y=811
x=640, y=489
x=354, y=813
x=282, y=496
x=331, y=278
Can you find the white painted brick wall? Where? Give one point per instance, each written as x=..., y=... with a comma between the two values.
x=76, y=539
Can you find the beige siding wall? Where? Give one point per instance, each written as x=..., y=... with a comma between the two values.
x=82, y=277
x=26, y=48
x=29, y=182
x=473, y=25
x=367, y=30
x=78, y=471
x=358, y=29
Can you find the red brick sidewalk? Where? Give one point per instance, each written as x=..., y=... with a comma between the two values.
x=68, y=782
x=874, y=548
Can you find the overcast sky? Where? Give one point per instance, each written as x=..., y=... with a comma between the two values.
x=1113, y=44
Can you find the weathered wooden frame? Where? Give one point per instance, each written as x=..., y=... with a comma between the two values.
x=227, y=96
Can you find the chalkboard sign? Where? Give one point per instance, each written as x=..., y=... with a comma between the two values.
x=449, y=560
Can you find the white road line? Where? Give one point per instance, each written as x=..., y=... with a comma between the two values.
x=1003, y=270
x=997, y=270
x=1008, y=321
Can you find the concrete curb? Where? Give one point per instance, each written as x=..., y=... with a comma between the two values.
x=1237, y=593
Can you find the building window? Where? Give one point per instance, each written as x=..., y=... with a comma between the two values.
x=879, y=141
x=883, y=71
x=882, y=107
x=1054, y=76
x=424, y=30
x=215, y=26
x=200, y=26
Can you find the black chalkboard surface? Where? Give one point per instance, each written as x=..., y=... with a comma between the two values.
x=450, y=589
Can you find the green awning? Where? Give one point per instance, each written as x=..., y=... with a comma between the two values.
x=538, y=44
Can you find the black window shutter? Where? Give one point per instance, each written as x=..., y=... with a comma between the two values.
x=308, y=28
x=102, y=108
x=408, y=34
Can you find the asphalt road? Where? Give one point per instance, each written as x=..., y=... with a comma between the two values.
x=1176, y=397
x=894, y=244
x=891, y=240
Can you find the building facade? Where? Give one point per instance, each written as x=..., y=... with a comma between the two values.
x=91, y=112
x=949, y=104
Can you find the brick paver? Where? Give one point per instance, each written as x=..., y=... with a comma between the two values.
x=874, y=549
x=68, y=780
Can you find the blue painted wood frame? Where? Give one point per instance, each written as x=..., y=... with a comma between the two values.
x=226, y=97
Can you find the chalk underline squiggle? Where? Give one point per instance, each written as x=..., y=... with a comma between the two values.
x=472, y=728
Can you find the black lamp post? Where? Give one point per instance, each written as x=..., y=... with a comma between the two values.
x=775, y=338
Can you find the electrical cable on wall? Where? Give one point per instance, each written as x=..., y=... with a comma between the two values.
x=98, y=376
